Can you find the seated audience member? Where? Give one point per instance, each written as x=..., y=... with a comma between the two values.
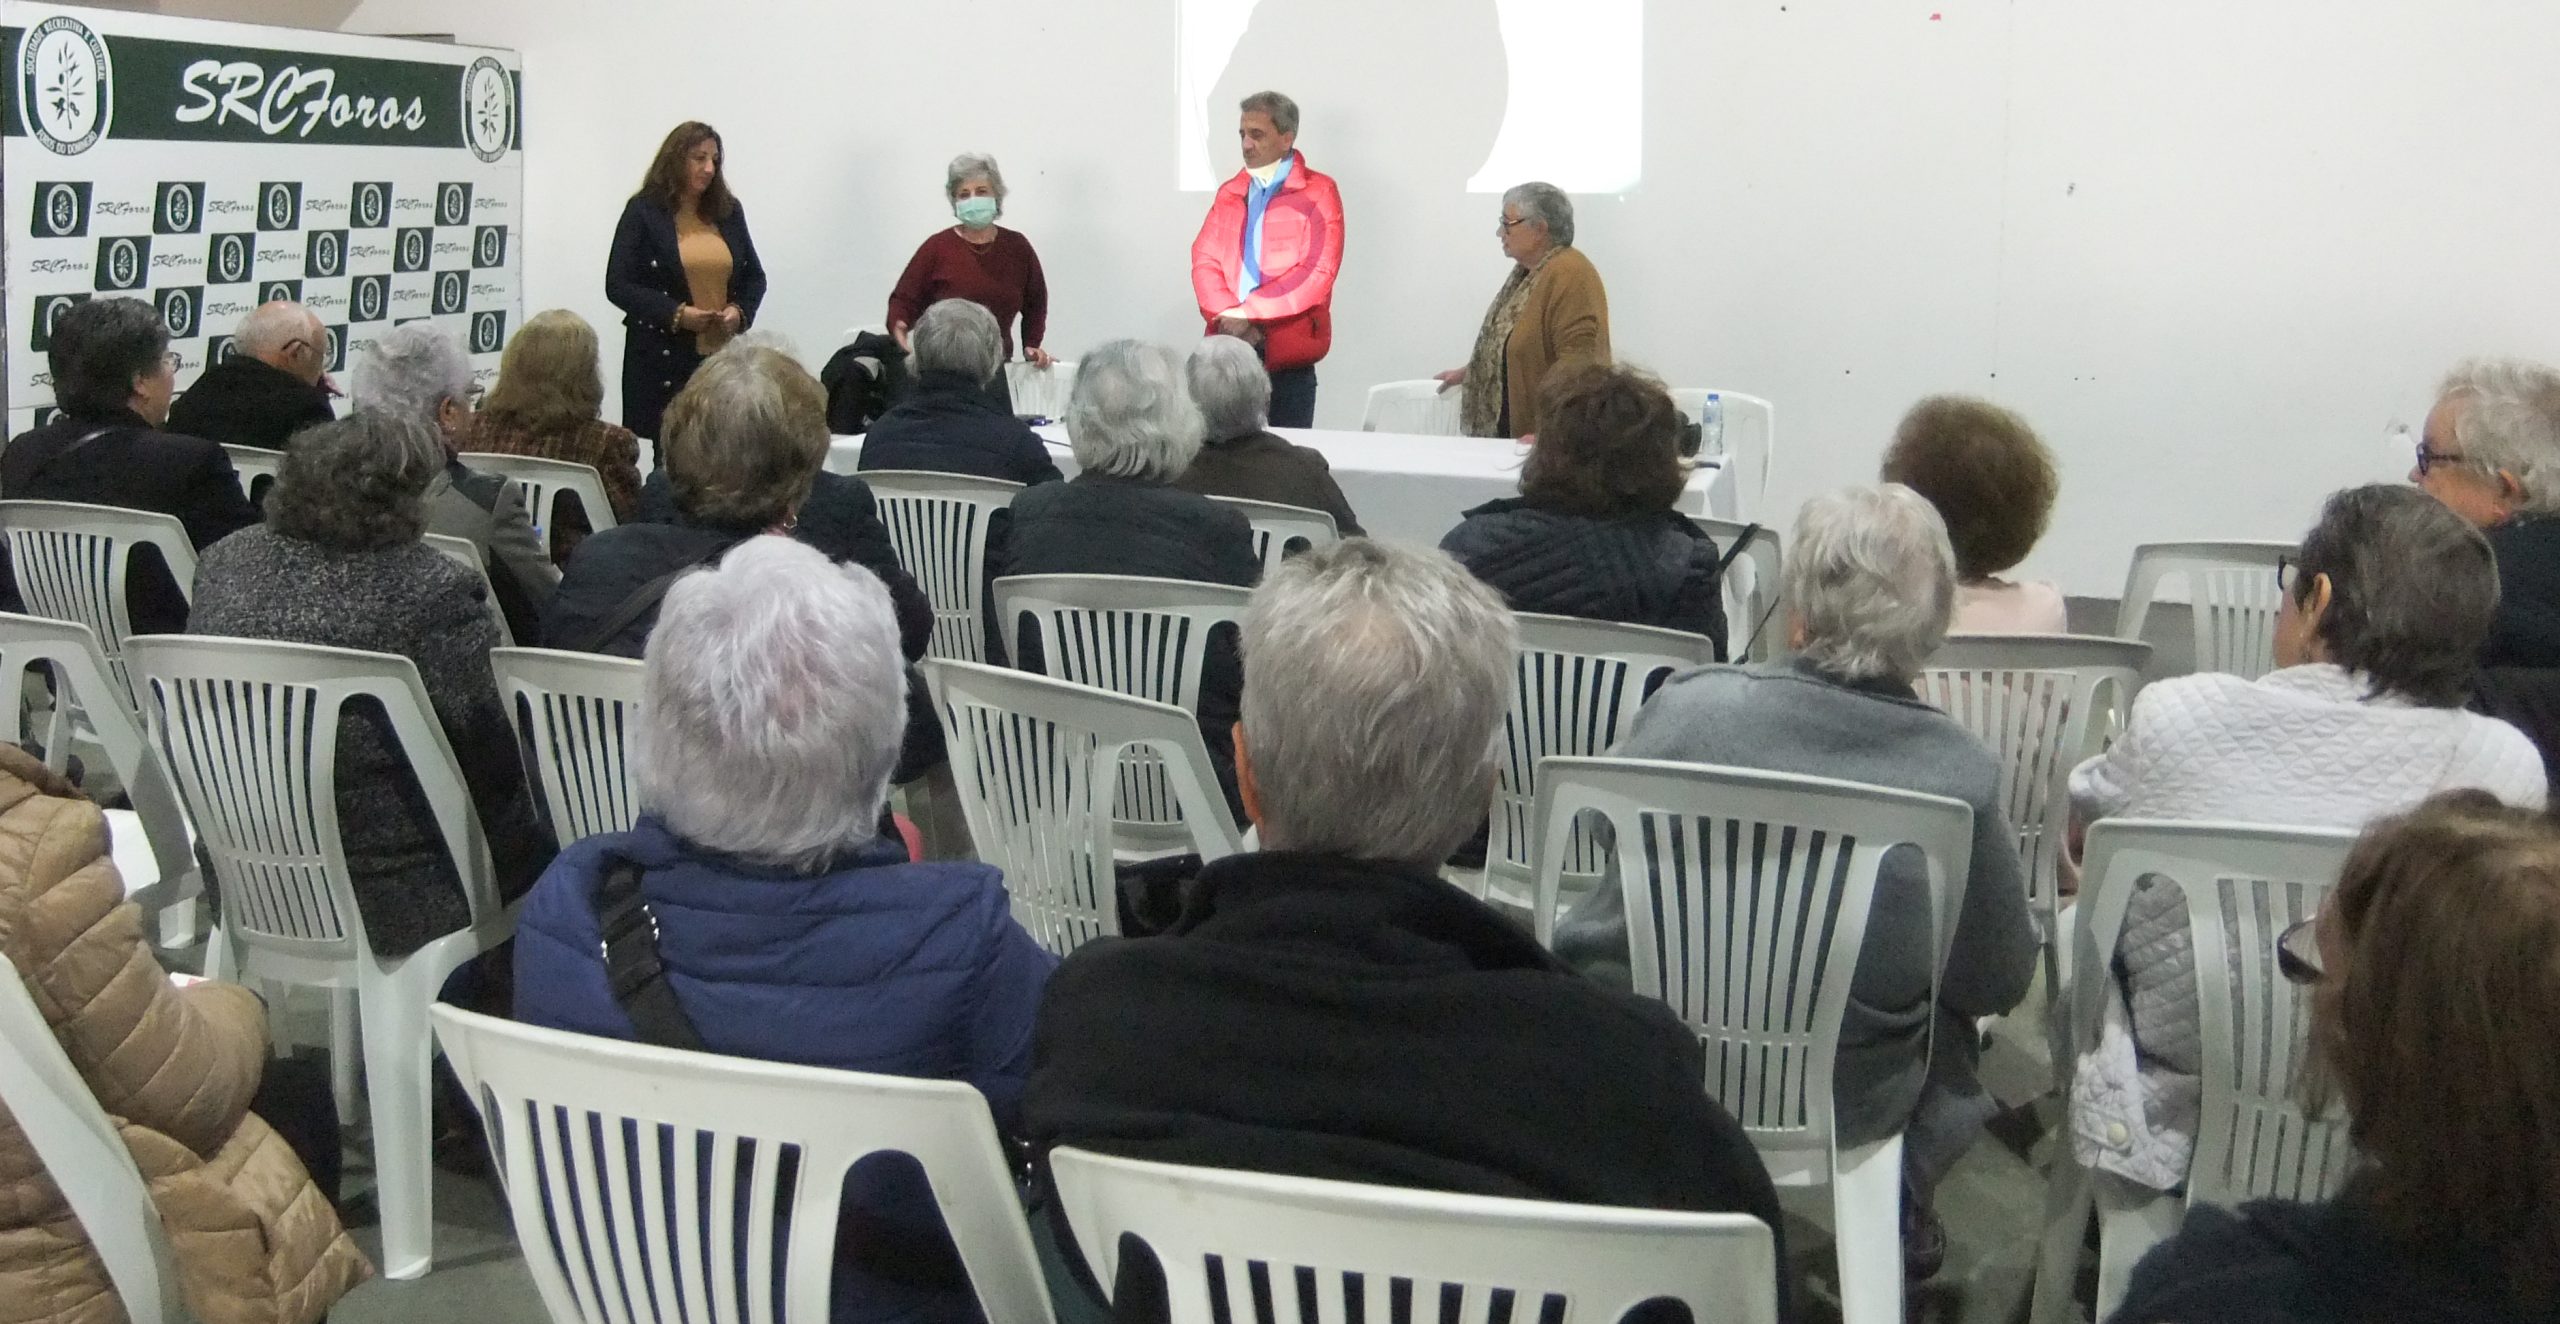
x=339, y=562
x=1240, y=456
x=953, y=423
x=417, y=372
x=1994, y=484
x=2430, y=965
x=2382, y=618
x=1329, y=1007
x=2491, y=453
x=275, y=383
x=791, y=929
x=1869, y=588
x=1594, y=532
x=549, y=403
x=112, y=378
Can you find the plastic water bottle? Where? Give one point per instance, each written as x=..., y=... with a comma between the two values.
x=1711, y=426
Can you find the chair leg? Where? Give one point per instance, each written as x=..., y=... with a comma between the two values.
x=1866, y=1215
x=342, y=1051
x=2130, y=1222
x=217, y=954
x=2066, y=1213
x=398, y=1048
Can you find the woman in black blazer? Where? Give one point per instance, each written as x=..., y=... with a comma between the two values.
x=683, y=271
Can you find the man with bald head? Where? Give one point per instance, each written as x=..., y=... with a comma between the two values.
x=274, y=384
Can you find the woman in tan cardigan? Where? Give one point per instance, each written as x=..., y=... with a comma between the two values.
x=1550, y=313
x=254, y=1239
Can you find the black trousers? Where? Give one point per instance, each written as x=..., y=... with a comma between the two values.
x=1293, y=397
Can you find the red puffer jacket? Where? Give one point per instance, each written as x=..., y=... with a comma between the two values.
x=1301, y=251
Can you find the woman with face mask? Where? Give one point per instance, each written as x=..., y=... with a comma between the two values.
x=977, y=260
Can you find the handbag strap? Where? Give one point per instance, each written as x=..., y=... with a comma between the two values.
x=640, y=602
x=632, y=969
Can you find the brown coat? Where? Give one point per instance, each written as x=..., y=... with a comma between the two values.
x=1566, y=321
x=175, y=1068
x=608, y=448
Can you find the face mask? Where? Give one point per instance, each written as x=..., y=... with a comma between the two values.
x=975, y=212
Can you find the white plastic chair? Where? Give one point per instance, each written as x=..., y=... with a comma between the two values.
x=460, y=551
x=1040, y=391
x=1037, y=762
x=1145, y=638
x=71, y=561
x=938, y=522
x=1420, y=408
x=77, y=1143
x=1280, y=530
x=249, y=730
x=2243, y=884
x=1753, y=630
x=1335, y=1250
x=1746, y=965
x=256, y=465
x=1750, y=441
x=1576, y=686
x=607, y=1150
x=2231, y=590
x=573, y=714
x=543, y=480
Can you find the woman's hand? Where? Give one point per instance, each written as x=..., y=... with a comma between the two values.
x=898, y=332
x=690, y=318
x=1038, y=357
x=1453, y=377
x=732, y=320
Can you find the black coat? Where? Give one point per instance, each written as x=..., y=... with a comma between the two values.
x=644, y=277
x=1656, y=569
x=951, y=425
x=128, y=463
x=2276, y=1262
x=2526, y=630
x=1263, y=466
x=1318, y=1017
x=242, y=401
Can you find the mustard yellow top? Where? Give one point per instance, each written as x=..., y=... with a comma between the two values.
x=707, y=263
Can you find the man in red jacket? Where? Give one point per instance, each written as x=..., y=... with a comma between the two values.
x=1264, y=263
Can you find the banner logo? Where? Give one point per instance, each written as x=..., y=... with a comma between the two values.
x=178, y=209
x=280, y=291
x=488, y=332
x=416, y=246
x=49, y=310
x=326, y=254
x=453, y=204
x=124, y=262
x=62, y=211
x=228, y=260
x=220, y=349
x=179, y=309
x=488, y=109
x=452, y=290
x=279, y=206
x=489, y=247
x=64, y=85
x=335, y=347
x=369, y=298
x=373, y=206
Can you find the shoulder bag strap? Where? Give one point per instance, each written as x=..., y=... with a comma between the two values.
x=639, y=603
x=58, y=456
x=631, y=965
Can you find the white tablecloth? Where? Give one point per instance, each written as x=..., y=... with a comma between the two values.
x=1403, y=487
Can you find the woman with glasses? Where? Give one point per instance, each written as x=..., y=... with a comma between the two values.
x=2383, y=613
x=2491, y=454
x=2430, y=965
x=1550, y=312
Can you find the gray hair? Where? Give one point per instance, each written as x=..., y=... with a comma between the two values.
x=765, y=338
x=358, y=484
x=1547, y=205
x=1377, y=677
x=773, y=706
x=1283, y=111
x=1229, y=385
x=2412, y=591
x=411, y=371
x=1128, y=415
x=2510, y=420
x=1872, y=579
x=956, y=335
x=973, y=165
x=270, y=326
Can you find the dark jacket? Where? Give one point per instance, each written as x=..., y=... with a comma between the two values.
x=644, y=277
x=243, y=401
x=1654, y=569
x=2526, y=630
x=412, y=601
x=951, y=425
x=875, y=965
x=1260, y=466
x=128, y=463
x=2276, y=1262
x=1319, y=1017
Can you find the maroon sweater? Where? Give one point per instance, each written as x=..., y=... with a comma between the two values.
x=1004, y=278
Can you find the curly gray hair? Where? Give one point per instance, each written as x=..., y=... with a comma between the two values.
x=1871, y=579
x=1129, y=416
x=973, y=165
x=1547, y=205
x=358, y=484
x=2509, y=420
x=411, y=371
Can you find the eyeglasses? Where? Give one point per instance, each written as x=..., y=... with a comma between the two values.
x=1503, y=225
x=2429, y=457
x=2298, y=952
x=2284, y=574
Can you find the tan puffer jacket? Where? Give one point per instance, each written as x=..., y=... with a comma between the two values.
x=254, y=1240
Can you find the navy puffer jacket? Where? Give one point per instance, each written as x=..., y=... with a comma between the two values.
x=1651, y=569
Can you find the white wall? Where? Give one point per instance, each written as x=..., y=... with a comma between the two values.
x=2211, y=249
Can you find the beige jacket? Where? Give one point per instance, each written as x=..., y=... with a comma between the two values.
x=254, y=1240
x=1566, y=321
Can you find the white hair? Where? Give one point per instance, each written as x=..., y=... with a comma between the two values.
x=761, y=338
x=956, y=335
x=2509, y=419
x=973, y=165
x=1872, y=579
x=1547, y=205
x=1230, y=387
x=1129, y=415
x=411, y=371
x=773, y=708
x=269, y=327
x=1376, y=679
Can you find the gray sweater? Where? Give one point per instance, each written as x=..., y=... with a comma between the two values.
x=1792, y=719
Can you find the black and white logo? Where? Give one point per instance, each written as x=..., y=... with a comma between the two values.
x=372, y=206
x=488, y=331
x=181, y=307
x=325, y=254
x=285, y=291
x=453, y=289
x=489, y=246
x=453, y=204
x=65, y=85
x=49, y=309
x=230, y=259
x=334, y=347
x=124, y=262
x=488, y=109
x=279, y=206
x=413, y=250
x=178, y=210
x=220, y=349
x=62, y=210
x=368, y=298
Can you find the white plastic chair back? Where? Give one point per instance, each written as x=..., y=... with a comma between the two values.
x=573, y=715
x=71, y=561
x=81, y=682
x=256, y=466
x=1752, y=630
x=1341, y=1250
x=77, y=1144
x=1576, y=686
x=1145, y=638
x=543, y=480
x=1420, y=408
x=460, y=551
x=1750, y=442
x=1280, y=531
x=938, y=522
x=2231, y=590
x=1040, y=391
x=631, y=1170
x=1036, y=762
